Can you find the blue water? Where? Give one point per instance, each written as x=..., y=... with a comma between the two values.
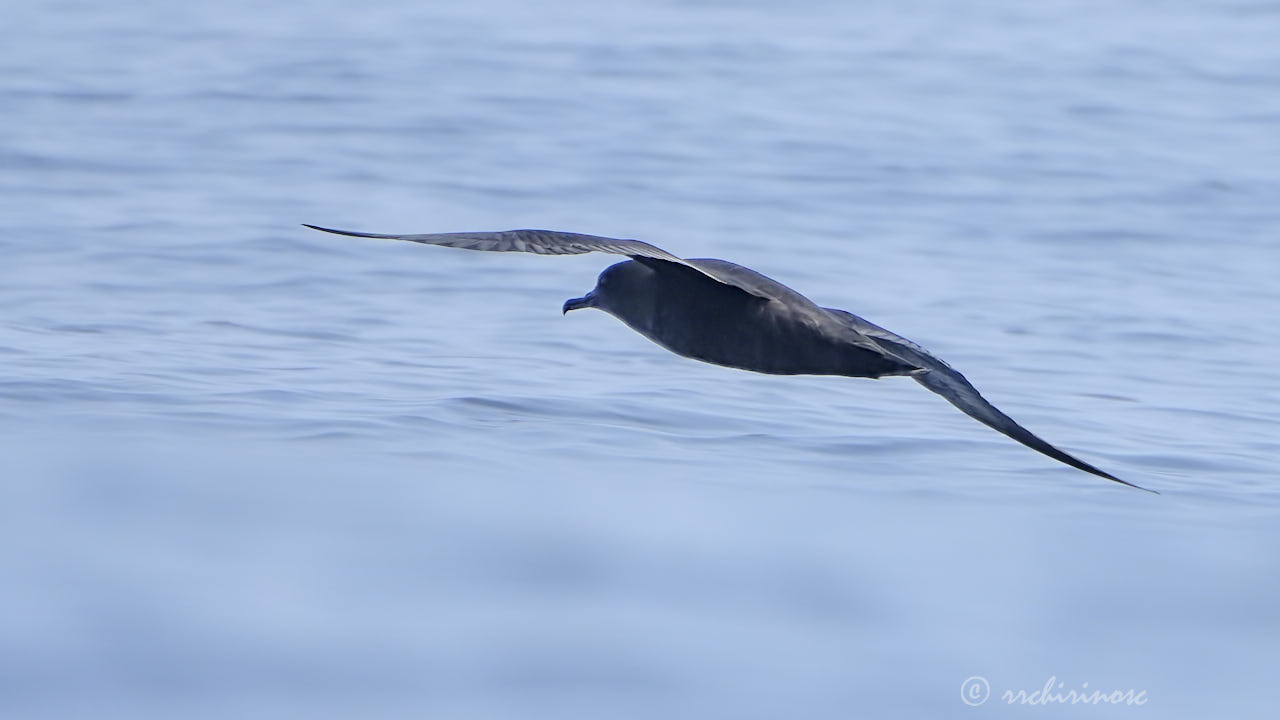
x=250, y=470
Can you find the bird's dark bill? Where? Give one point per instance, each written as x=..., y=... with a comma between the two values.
x=578, y=303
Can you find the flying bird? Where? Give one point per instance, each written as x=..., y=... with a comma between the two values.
x=722, y=313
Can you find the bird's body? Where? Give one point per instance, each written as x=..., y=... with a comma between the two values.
x=736, y=328
x=718, y=312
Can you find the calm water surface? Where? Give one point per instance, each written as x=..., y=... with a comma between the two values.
x=252, y=470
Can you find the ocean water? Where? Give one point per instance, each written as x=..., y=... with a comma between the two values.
x=252, y=470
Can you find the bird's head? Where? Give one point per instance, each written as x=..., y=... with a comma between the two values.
x=617, y=288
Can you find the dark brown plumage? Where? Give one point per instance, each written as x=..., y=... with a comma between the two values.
x=726, y=314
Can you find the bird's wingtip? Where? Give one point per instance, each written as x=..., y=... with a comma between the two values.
x=1109, y=476
x=1138, y=487
x=353, y=233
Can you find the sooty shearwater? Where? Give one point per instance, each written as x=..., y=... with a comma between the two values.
x=726, y=314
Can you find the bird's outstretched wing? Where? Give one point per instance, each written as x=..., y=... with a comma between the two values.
x=952, y=386
x=547, y=242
